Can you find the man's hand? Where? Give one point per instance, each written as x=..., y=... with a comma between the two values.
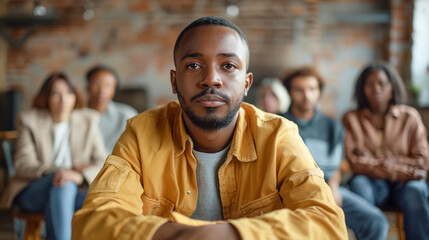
x=172, y=230
x=67, y=175
x=420, y=174
x=337, y=195
x=334, y=184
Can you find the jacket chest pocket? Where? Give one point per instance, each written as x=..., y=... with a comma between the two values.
x=262, y=205
x=162, y=208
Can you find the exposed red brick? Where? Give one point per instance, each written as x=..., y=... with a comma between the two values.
x=140, y=6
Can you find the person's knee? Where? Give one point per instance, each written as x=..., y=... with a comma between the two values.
x=69, y=185
x=69, y=188
x=362, y=186
x=380, y=219
x=413, y=195
x=415, y=189
x=360, y=179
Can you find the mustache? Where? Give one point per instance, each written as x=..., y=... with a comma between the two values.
x=211, y=91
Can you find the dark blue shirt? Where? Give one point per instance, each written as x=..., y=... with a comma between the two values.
x=324, y=138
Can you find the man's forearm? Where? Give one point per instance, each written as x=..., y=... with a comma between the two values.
x=173, y=230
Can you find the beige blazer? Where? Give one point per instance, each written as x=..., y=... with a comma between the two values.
x=34, y=148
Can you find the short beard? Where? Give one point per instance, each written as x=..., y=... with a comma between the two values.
x=210, y=122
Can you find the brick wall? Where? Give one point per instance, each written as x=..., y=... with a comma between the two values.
x=137, y=37
x=400, y=40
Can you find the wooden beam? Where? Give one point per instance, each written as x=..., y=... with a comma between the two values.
x=3, y=52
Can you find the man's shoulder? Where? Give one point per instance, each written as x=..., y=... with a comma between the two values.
x=124, y=109
x=329, y=120
x=86, y=111
x=87, y=114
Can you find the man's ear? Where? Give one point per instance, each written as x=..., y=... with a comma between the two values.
x=248, y=83
x=173, y=81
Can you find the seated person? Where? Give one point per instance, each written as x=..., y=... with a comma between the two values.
x=324, y=138
x=272, y=96
x=102, y=83
x=386, y=145
x=210, y=166
x=59, y=152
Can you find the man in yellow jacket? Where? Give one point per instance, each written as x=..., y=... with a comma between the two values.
x=209, y=166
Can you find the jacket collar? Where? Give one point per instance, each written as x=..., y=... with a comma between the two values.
x=242, y=144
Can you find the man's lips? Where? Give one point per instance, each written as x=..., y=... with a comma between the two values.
x=210, y=100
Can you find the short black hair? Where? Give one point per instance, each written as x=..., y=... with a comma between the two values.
x=98, y=68
x=399, y=95
x=211, y=21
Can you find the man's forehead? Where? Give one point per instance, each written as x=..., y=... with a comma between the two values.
x=212, y=37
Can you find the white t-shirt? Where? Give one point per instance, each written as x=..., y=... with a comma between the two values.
x=62, y=154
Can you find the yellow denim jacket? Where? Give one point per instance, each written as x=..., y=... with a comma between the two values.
x=269, y=184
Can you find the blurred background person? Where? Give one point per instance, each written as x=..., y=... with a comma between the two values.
x=59, y=151
x=103, y=82
x=386, y=145
x=324, y=138
x=272, y=96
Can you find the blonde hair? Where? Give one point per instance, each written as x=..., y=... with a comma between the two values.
x=279, y=91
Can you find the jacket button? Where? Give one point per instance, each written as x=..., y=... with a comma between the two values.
x=188, y=192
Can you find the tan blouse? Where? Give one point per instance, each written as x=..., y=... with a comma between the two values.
x=399, y=152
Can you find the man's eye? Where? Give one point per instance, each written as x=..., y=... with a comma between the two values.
x=229, y=66
x=193, y=66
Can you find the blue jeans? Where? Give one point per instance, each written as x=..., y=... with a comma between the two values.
x=411, y=197
x=58, y=204
x=367, y=221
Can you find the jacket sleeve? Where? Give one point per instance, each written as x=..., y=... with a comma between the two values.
x=26, y=162
x=310, y=210
x=361, y=161
x=406, y=167
x=113, y=207
x=418, y=156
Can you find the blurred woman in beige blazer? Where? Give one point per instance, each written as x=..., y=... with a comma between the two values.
x=59, y=151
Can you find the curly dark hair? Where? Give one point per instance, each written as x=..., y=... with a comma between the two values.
x=306, y=71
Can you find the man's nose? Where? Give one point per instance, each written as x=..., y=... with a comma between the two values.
x=307, y=94
x=211, y=78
